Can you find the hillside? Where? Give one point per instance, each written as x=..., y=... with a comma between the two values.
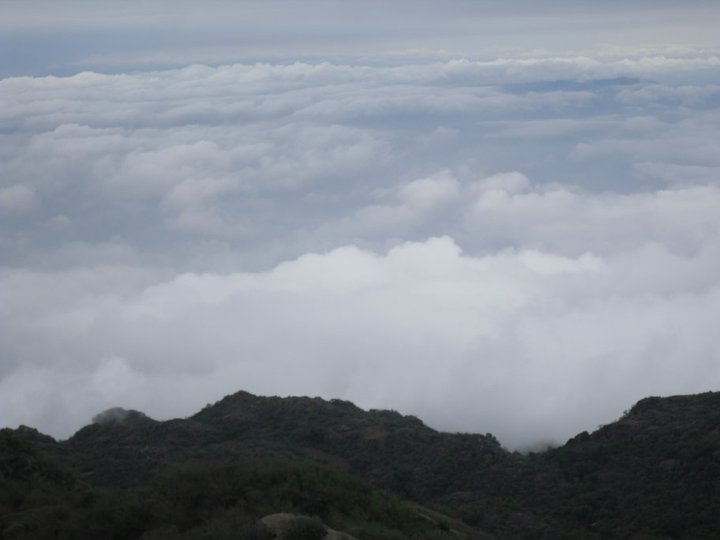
x=654, y=473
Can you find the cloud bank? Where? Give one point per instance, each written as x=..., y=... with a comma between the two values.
x=518, y=245
x=526, y=344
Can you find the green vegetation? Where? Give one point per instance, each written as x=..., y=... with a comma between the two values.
x=199, y=499
x=653, y=474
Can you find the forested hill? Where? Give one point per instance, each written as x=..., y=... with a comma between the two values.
x=655, y=473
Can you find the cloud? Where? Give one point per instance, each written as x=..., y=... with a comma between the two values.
x=121, y=35
x=523, y=245
x=566, y=221
x=428, y=193
x=526, y=344
x=281, y=159
x=683, y=142
x=17, y=199
x=508, y=210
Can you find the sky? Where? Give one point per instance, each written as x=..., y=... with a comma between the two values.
x=500, y=217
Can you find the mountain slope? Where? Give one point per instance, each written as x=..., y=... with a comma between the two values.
x=203, y=499
x=655, y=473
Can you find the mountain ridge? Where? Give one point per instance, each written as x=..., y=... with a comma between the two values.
x=654, y=472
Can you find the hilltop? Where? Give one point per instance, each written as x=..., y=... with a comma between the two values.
x=651, y=474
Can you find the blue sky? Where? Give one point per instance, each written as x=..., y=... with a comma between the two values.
x=497, y=217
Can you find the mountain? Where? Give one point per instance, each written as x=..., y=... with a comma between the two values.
x=652, y=474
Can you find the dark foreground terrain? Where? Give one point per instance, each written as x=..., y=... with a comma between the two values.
x=653, y=474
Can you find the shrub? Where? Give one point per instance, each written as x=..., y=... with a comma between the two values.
x=304, y=528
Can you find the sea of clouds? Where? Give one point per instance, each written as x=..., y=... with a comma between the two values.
x=523, y=246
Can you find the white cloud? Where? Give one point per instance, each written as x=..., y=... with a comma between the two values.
x=525, y=344
x=474, y=241
x=688, y=96
x=508, y=183
x=428, y=193
x=678, y=174
x=184, y=32
x=17, y=199
x=566, y=221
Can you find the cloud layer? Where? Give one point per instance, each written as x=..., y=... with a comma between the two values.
x=520, y=245
x=158, y=34
x=526, y=344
